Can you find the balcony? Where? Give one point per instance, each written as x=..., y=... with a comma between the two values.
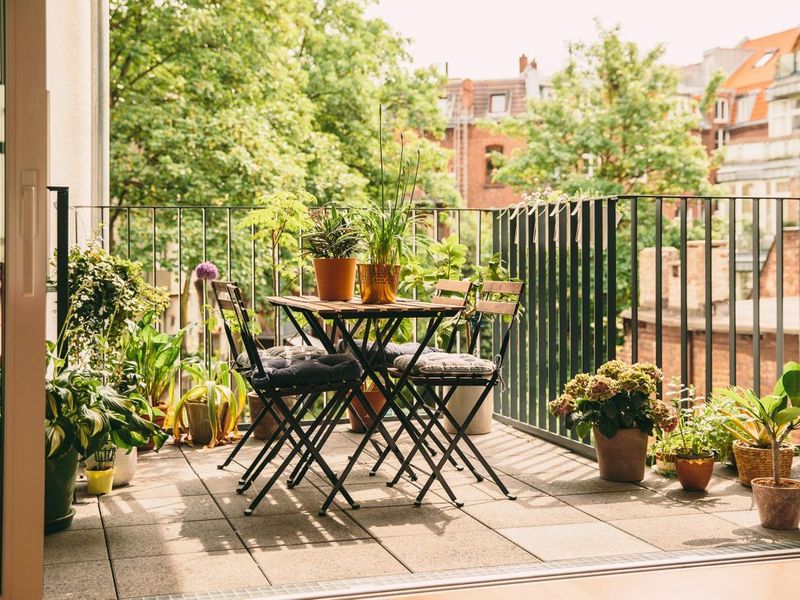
x=178, y=528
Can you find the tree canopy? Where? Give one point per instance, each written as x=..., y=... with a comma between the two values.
x=614, y=124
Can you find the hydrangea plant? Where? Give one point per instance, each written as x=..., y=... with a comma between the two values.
x=617, y=397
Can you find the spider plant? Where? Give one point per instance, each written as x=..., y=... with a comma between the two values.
x=222, y=390
x=332, y=234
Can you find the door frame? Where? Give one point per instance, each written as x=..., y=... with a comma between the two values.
x=24, y=286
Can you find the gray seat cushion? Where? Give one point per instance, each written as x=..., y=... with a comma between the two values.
x=291, y=353
x=391, y=352
x=444, y=364
x=330, y=368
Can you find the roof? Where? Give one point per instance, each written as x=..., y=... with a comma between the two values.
x=750, y=78
x=483, y=88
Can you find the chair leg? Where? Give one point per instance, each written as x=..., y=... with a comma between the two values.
x=244, y=439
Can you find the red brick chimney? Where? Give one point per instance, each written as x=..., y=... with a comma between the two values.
x=466, y=95
x=523, y=63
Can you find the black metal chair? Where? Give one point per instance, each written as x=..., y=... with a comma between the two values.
x=272, y=387
x=500, y=299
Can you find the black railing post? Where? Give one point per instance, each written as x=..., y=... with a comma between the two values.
x=62, y=266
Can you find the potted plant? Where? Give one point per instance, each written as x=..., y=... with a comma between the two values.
x=358, y=415
x=663, y=452
x=777, y=497
x=384, y=227
x=694, y=453
x=100, y=476
x=752, y=446
x=331, y=242
x=211, y=408
x=618, y=405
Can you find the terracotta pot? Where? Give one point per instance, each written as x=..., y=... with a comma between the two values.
x=376, y=401
x=754, y=462
x=159, y=420
x=778, y=507
x=378, y=283
x=336, y=278
x=694, y=472
x=622, y=457
x=267, y=426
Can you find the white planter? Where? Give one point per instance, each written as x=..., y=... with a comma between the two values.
x=460, y=405
x=125, y=464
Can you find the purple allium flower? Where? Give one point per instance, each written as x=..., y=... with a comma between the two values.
x=207, y=271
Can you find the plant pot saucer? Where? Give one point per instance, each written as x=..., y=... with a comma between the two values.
x=60, y=523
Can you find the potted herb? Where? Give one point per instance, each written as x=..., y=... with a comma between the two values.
x=331, y=242
x=752, y=446
x=384, y=227
x=663, y=452
x=100, y=476
x=694, y=455
x=211, y=408
x=619, y=406
x=777, y=497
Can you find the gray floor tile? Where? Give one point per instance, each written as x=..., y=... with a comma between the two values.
x=296, y=528
x=118, y=511
x=633, y=504
x=580, y=480
x=455, y=550
x=279, y=501
x=71, y=581
x=326, y=561
x=87, y=515
x=584, y=540
x=61, y=547
x=172, y=538
x=181, y=573
x=524, y=512
x=410, y=520
x=722, y=495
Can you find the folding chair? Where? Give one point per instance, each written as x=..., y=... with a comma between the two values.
x=272, y=391
x=500, y=299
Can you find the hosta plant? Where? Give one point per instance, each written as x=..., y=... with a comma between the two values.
x=222, y=390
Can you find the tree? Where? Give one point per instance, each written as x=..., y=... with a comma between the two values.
x=614, y=125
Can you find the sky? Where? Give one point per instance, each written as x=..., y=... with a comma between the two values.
x=483, y=39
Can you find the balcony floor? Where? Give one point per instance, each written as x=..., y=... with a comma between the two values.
x=179, y=527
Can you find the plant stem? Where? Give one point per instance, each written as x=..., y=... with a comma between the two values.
x=776, y=459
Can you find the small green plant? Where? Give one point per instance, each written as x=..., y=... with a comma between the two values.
x=694, y=430
x=225, y=401
x=332, y=234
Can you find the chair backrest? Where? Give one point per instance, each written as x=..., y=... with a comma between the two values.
x=220, y=290
x=452, y=293
x=498, y=298
x=240, y=312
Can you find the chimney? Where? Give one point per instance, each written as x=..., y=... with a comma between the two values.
x=466, y=96
x=523, y=63
x=531, y=75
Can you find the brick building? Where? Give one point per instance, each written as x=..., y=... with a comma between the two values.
x=466, y=103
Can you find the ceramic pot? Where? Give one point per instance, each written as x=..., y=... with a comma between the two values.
x=376, y=401
x=336, y=278
x=378, y=283
x=462, y=402
x=199, y=423
x=778, y=507
x=694, y=472
x=59, y=488
x=267, y=426
x=99, y=482
x=665, y=464
x=622, y=457
x=126, y=464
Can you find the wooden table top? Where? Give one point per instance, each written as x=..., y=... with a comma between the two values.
x=355, y=308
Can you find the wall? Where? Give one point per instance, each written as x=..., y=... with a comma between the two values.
x=791, y=272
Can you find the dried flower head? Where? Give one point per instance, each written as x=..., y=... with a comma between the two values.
x=601, y=388
x=664, y=416
x=207, y=271
x=649, y=369
x=613, y=369
x=563, y=405
x=577, y=386
x=635, y=380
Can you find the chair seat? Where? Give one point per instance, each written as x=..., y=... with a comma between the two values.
x=333, y=369
x=292, y=353
x=447, y=365
x=392, y=351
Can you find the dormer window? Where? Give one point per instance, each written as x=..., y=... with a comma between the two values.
x=498, y=103
x=721, y=113
x=764, y=59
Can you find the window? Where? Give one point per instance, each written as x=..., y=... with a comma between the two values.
x=446, y=105
x=491, y=163
x=498, y=103
x=784, y=117
x=764, y=59
x=721, y=137
x=721, y=110
x=744, y=107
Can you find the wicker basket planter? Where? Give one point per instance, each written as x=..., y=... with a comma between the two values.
x=757, y=462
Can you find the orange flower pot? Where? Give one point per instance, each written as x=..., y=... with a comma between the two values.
x=336, y=278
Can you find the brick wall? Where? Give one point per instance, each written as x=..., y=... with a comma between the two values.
x=791, y=267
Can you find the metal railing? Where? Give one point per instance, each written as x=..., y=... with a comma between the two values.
x=677, y=280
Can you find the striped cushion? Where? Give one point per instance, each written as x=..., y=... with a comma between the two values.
x=443, y=364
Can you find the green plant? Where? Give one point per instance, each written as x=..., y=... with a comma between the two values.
x=83, y=414
x=151, y=360
x=106, y=291
x=225, y=401
x=775, y=415
x=694, y=432
x=331, y=235
x=618, y=396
